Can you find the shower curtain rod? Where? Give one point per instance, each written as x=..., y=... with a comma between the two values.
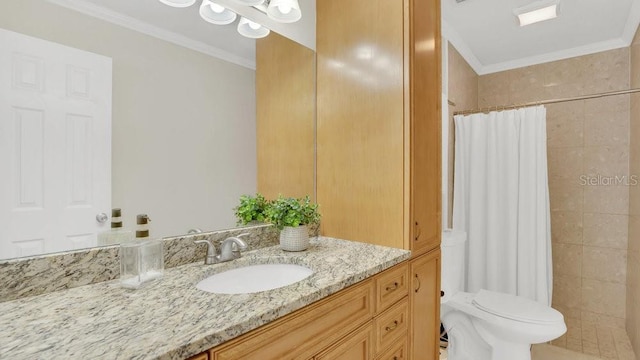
x=545, y=102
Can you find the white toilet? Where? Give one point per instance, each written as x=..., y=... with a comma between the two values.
x=488, y=325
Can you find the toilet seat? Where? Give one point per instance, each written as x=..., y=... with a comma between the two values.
x=516, y=308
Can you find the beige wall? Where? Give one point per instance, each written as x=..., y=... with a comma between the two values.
x=633, y=249
x=463, y=92
x=585, y=138
x=183, y=122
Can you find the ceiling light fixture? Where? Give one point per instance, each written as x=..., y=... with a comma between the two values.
x=536, y=12
x=216, y=14
x=178, y=3
x=252, y=29
x=250, y=2
x=284, y=11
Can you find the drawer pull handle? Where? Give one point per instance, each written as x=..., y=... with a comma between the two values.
x=418, y=280
x=392, y=327
x=392, y=287
x=418, y=232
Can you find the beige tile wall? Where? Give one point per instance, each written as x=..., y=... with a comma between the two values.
x=633, y=248
x=585, y=138
x=463, y=91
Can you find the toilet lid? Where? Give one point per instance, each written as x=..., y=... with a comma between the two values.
x=516, y=308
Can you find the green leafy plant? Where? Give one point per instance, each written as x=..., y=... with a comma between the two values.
x=251, y=208
x=292, y=212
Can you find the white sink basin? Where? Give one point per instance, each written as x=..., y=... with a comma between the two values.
x=254, y=278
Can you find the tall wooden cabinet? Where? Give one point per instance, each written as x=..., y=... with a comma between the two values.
x=379, y=138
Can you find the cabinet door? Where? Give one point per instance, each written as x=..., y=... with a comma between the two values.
x=357, y=346
x=425, y=137
x=425, y=306
x=360, y=120
x=202, y=356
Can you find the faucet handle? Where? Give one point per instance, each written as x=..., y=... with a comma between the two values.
x=211, y=251
x=231, y=247
x=241, y=245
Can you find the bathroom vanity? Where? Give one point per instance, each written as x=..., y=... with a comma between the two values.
x=356, y=301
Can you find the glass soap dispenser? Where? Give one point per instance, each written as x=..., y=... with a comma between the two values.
x=142, y=259
x=117, y=234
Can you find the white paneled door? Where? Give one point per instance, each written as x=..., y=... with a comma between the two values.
x=55, y=146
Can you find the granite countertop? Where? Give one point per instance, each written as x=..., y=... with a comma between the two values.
x=171, y=319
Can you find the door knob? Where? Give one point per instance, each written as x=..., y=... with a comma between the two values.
x=102, y=218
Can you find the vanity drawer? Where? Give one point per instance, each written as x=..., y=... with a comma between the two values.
x=391, y=286
x=356, y=346
x=304, y=333
x=202, y=356
x=399, y=351
x=391, y=326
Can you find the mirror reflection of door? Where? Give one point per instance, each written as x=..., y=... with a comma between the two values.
x=55, y=146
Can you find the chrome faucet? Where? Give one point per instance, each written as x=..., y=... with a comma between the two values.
x=229, y=250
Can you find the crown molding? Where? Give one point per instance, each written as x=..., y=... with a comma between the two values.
x=554, y=56
x=128, y=22
x=461, y=46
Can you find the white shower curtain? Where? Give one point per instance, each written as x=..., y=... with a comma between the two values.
x=501, y=200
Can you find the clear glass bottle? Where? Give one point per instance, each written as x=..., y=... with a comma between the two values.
x=141, y=260
x=117, y=234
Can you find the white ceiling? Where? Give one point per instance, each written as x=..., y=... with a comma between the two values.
x=487, y=33
x=183, y=26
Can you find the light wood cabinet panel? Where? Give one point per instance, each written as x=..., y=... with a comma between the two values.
x=379, y=121
x=398, y=351
x=360, y=120
x=424, y=300
x=357, y=346
x=392, y=325
x=285, y=117
x=203, y=356
x=425, y=123
x=391, y=286
x=304, y=333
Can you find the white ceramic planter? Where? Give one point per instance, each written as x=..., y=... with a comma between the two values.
x=294, y=238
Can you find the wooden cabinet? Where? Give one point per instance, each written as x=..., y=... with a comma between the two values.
x=203, y=356
x=379, y=139
x=356, y=346
x=350, y=324
x=378, y=121
x=425, y=306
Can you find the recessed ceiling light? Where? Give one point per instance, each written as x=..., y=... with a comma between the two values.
x=536, y=12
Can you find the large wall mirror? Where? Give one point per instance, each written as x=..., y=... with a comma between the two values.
x=182, y=143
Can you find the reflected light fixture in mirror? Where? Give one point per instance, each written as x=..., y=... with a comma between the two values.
x=178, y=3
x=251, y=29
x=216, y=14
x=283, y=11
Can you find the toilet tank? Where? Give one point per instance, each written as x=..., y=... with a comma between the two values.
x=453, y=268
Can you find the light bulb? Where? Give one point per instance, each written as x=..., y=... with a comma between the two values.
x=216, y=8
x=253, y=25
x=285, y=9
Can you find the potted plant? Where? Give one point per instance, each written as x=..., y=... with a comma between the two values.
x=251, y=209
x=291, y=216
